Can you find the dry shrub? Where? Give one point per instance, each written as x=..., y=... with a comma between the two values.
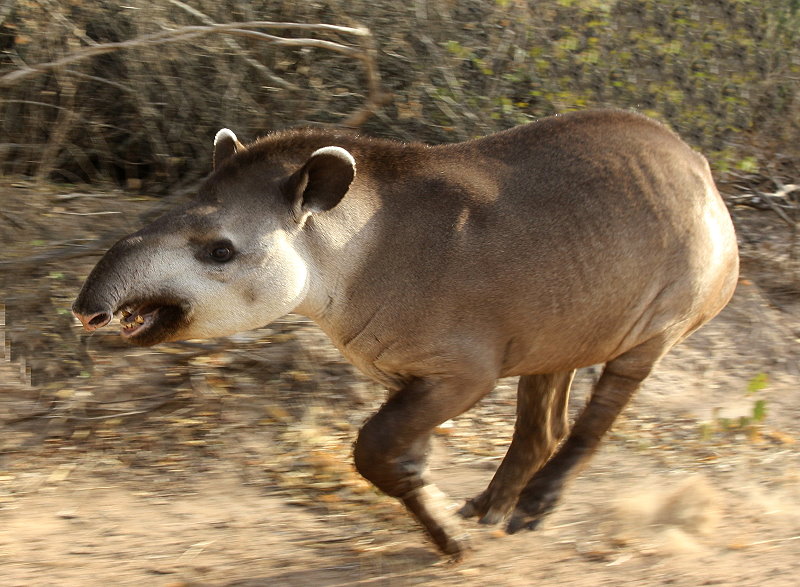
x=148, y=114
x=723, y=73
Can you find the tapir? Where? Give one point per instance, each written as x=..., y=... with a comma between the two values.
x=588, y=238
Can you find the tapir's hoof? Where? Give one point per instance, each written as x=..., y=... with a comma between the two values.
x=471, y=508
x=490, y=508
x=455, y=547
x=531, y=509
x=451, y=540
x=431, y=508
x=520, y=521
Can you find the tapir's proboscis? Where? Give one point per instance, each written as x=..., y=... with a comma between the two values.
x=581, y=239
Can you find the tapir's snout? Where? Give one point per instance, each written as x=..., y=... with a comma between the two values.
x=147, y=316
x=95, y=304
x=92, y=320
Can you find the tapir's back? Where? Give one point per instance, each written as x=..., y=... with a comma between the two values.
x=570, y=240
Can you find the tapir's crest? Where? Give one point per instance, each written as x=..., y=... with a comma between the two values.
x=589, y=238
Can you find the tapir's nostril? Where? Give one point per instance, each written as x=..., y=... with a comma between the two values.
x=92, y=322
x=100, y=319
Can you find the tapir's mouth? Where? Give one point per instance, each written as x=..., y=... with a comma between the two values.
x=147, y=324
x=136, y=320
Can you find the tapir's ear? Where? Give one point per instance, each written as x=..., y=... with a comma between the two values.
x=322, y=181
x=225, y=145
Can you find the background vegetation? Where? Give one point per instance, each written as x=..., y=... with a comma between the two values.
x=724, y=73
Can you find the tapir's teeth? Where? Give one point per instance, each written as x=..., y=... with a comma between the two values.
x=125, y=313
x=139, y=319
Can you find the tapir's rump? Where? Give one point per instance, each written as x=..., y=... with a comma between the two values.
x=588, y=238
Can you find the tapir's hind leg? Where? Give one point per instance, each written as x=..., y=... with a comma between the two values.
x=620, y=379
x=541, y=424
x=392, y=448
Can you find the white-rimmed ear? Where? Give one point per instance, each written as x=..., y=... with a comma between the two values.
x=322, y=181
x=225, y=145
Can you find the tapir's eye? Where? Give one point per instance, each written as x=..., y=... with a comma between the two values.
x=221, y=252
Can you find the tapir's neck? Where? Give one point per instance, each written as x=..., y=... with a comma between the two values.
x=334, y=245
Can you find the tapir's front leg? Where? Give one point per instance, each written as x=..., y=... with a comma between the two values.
x=541, y=424
x=392, y=450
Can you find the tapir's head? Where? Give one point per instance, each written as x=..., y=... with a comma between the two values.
x=231, y=260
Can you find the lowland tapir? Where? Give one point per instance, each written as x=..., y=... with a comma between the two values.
x=586, y=238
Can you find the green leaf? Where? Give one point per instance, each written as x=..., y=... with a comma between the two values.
x=748, y=165
x=757, y=383
x=760, y=410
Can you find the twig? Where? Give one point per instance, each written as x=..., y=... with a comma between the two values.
x=781, y=193
x=54, y=412
x=73, y=196
x=59, y=254
x=778, y=211
x=192, y=32
x=86, y=213
x=26, y=417
x=280, y=41
x=236, y=47
x=376, y=97
x=789, y=539
x=366, y=53
x=60, y=109
x=61, y=128
x=111, y=416
x=785, y=190
x=68, y=25
x=101, y=80
x=135, y=399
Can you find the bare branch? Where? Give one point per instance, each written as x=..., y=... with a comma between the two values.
x=365, y=52
x=57, y=107
x=60, y=254
x=205, y=19
x=87, y=213
x=100, y=80
x=63, y=123
x=283, y=42
x=376, y=97
x=768, y=198
x=192, y=32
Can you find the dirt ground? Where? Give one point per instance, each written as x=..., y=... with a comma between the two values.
x=227, y=462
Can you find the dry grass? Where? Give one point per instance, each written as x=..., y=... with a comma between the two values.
x=724, y=74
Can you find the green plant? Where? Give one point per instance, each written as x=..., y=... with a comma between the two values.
x=749, y=424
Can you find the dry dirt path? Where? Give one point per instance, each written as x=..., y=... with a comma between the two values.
x=229, y=465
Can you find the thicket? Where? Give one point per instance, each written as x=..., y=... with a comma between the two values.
x=724, y=73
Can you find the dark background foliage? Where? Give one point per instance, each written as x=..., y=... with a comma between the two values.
x=724, y=73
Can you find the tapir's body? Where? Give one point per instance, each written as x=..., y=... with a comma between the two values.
x=581, y=239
